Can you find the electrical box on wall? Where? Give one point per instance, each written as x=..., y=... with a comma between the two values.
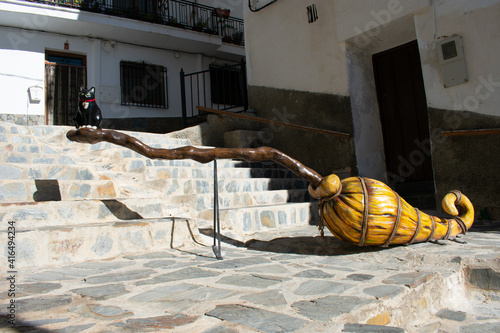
x=35, y=94
x=452, y=61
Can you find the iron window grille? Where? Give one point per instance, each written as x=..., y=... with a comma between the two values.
x=143, y=85
x=312, y=13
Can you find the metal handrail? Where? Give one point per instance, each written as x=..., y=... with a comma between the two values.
x=217, y=247
x=202, y=88
x=469, y=132
x=277, y=123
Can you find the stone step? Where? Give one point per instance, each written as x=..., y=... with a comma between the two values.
x=44, y=131
x=30, y=166
x=203, y=186
x=10, y=128
x=48, y=246
x=75, y=202
x=48, y=171
x=36, y=158
x=266, y=217
x=203, y=202
x=64, y=168
x=195, y=172
x=13, y=134
x=105, y=152
x=24, y=148
x=65, y=213
x=18, y=139
x=12, y=191
x=57, y=134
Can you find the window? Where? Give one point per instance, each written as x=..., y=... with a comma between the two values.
x=226, y=84
x=143, y=84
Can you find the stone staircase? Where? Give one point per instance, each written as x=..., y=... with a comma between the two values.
x=75, y=202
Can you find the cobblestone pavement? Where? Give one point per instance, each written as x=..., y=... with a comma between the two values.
x=291, y=281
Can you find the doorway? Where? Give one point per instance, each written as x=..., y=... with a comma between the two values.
x=64, y=74
x=404, y=119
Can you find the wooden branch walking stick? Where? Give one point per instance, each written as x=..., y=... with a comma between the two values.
x=358, y=210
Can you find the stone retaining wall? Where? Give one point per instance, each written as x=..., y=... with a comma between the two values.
x=23, y=119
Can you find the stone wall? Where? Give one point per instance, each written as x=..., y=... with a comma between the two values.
x=150, y=125
x=467, y=163
x=23, y=119
x=323, y=152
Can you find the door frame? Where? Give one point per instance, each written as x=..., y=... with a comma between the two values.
x=67, y=55
x=414, y=151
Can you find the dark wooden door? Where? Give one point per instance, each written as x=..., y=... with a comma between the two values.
x=403, y=114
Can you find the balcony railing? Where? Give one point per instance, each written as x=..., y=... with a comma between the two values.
x=175, y=13
x=219, y=87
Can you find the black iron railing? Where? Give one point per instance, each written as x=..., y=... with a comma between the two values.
x=175, y=13
x=219, y=87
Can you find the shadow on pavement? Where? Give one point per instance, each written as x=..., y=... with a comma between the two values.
x=19, y=326
x=308, y=245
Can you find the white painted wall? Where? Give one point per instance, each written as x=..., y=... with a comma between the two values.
x=369, y=28
x=19, y=70
x=110, y=58
x=22, y=57
x=478, y=22
x=34, y=28
x=22, y=65
x=285, y=51
x=356, y=17
x=334, y=55
x=365, y=110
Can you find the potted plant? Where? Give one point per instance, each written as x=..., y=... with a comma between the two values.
x=222, y=13
x=153, y=17
x=200, y=24
x=173, y=22
x=237, y=37
x=92, y=6
x=227, y=32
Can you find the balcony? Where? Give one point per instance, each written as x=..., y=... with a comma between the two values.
x=175, y=13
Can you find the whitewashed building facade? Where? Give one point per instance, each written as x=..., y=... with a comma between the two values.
x=400, y=76
x=130, y=51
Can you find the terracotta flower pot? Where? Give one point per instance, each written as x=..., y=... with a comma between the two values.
x=222, y=13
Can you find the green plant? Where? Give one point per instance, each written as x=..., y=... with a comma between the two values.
x=92, y=6
x=132, y=12
x=201, y=23
x=173, y=22
x=153, y=17
x=237, y=37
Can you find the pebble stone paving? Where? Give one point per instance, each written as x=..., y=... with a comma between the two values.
x=291, y=281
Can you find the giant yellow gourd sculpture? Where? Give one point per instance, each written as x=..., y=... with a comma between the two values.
x=365, y=211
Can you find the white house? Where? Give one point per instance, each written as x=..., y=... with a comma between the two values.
x=130, y=51
x=400, y=76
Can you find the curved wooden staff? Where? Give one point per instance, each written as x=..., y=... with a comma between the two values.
x=202, y=155
x=358, y=210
